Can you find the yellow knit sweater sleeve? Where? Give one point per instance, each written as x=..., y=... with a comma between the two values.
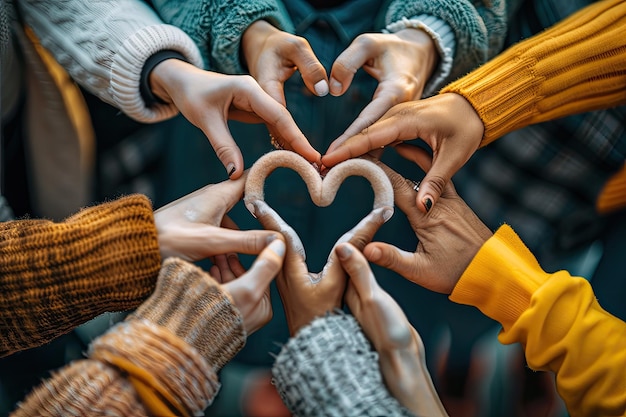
x=557, y=320
x=578, y=65
x=56, y=276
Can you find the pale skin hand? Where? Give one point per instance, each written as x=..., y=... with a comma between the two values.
x=449, y=235
x=447, y=123
x=191, y=227
x=401, y=351
x=208, y=100
x=272, y=57
x=401, y=62
x=307, y=295
x=249, y=290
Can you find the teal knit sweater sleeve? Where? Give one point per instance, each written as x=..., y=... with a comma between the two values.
x=217, y=26
x=479, y=27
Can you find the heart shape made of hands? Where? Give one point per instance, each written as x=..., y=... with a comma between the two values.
x=321, y=189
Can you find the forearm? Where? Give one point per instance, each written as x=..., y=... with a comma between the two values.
x=104, y=45
x=311, y=384
x=173, y=345
x=556, y=318
x=56, y=276
x=576, y=66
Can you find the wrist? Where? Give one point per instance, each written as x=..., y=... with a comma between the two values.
x=429, y=57
x=151, y=90
x=252, y=40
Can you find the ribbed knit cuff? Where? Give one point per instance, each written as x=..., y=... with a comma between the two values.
x=330, y=368
x=82, y=388
x=190, y=304
x=501, y=278
x=129, y=61
x=442, y=35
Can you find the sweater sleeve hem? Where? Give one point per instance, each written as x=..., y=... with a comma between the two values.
x=128, y=63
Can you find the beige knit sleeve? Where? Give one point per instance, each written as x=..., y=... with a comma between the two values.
x=164, y=359
x=56, y=276
x=578, y=65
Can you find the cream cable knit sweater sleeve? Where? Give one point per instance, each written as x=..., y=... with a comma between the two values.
x=104, y=45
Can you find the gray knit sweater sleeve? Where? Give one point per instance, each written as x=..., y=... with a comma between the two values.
x=479, y=27
x=217, y=26
x=104, y=44
x=330, y=369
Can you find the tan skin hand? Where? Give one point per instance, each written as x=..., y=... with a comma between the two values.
x=191, y=227
x=273, y=56
x=401, y=351
x=401, y=62
x=249, y=290
x=447, y=123
x=449, y=235
x=208, y=100
x=307, y=295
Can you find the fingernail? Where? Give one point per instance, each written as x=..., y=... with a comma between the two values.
x=270, y=239
x=375, y=254
x=278, y=247
x=428, y=203
x=231, y=169
x=387, y=214
x=250, y=208
x=335, y=87
x=321, y=88
x=344, y=251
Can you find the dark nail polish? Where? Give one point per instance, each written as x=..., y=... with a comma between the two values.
x=232, y=170
x=428, y=203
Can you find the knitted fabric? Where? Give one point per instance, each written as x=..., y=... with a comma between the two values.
x=528, y=83
x=103, y=46
x=556, y=318
x=217, y=26
x=173, y=345
x=56, y=276
x=330, y=369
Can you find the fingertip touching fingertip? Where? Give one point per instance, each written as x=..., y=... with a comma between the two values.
x=335, y=87
x=321, y=88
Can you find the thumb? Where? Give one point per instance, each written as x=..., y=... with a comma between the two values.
x=363, y=233
x=390, y=257
x=251, y=286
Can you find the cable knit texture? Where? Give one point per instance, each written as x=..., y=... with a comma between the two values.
x=217, y=26
x=330, y=369
x=103, y=46
x=56, y=276
x=165, y=356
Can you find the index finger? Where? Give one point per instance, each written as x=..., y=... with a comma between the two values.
x=381, y=133
x=278, y=119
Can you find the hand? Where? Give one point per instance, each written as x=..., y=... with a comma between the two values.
x=250, y=290
x=306, y=295
x=272, y=56
x=401, y=351
x=401, y=62
x=207, y=99
x=189, y=227
x=449, y=235
x=447, y=123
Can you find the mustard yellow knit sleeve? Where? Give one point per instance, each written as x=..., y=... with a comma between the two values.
x=56, y=276
x=577, y=65
x=557, y=320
